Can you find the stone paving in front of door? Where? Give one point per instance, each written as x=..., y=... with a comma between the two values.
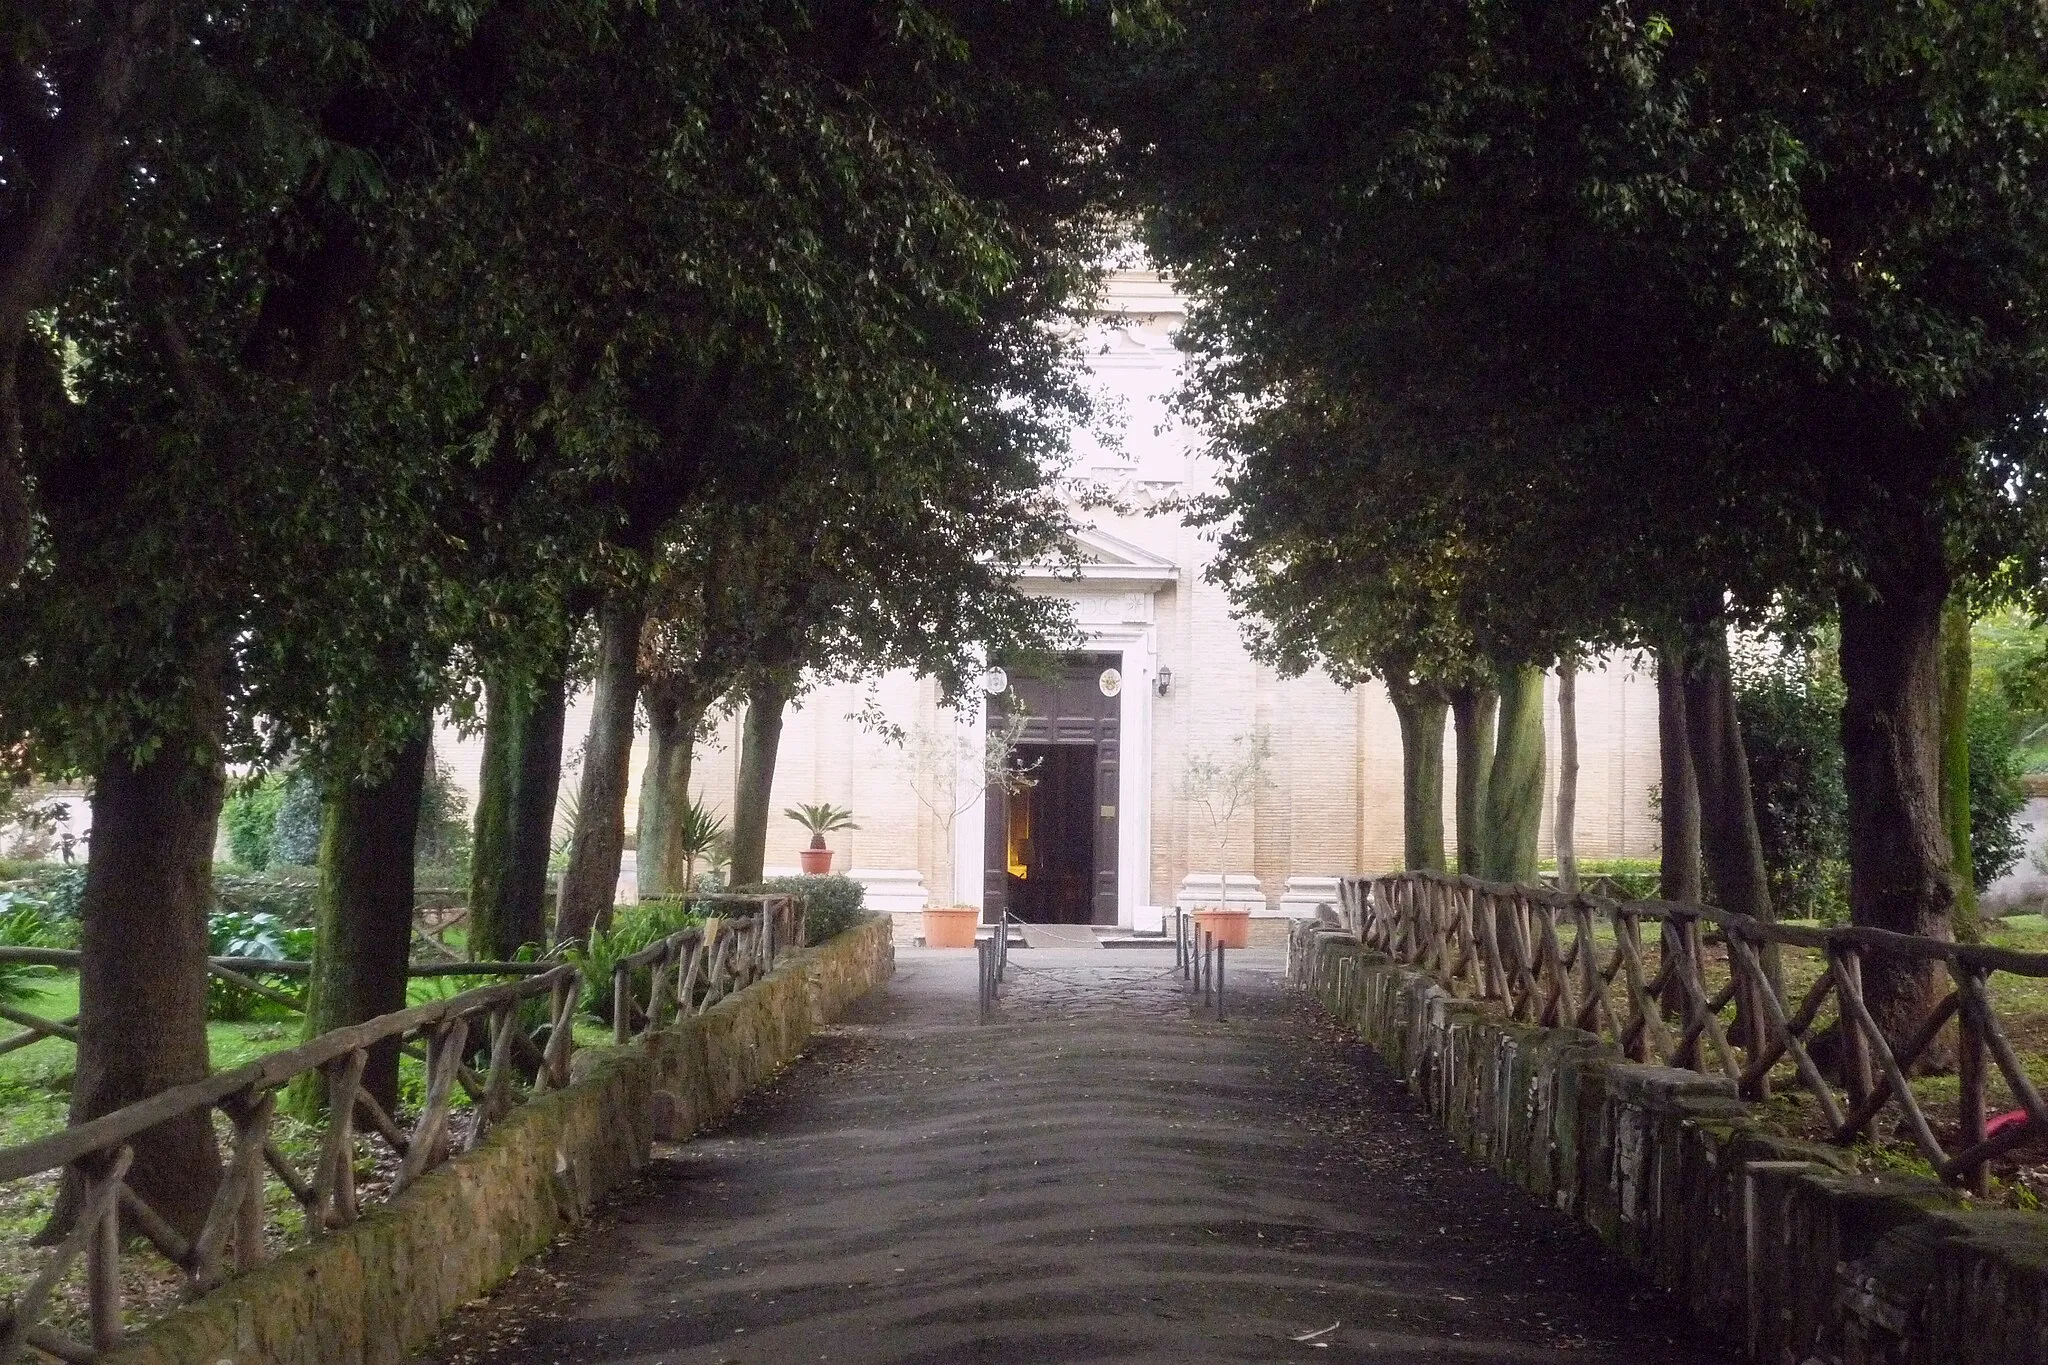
x=1103, y=1173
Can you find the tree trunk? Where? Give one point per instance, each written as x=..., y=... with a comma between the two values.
x=142, y=961
x=1679, y=857
x=1732, y=847
x=665, y=795
x=591, y=883
x=766, y=699
x=363, y=917
x=1564, y=827
x=515, y=813
x=1891, y=743
x=1421, y=711
x=1679, y=869
x=1473, y=711
x=1955, y=765
x=1514, y=789
x=1733, y=850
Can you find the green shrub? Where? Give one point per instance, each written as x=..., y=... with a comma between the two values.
x=833, y=904
x=1635, y=879
x=26, y=923
x=239, y=933
x=61, y=889
x=1789, y=704
x=249, y=818
x=444, y=834
x=288, y=897
x=1997, y=838
x=632, y=929
x=295, y=835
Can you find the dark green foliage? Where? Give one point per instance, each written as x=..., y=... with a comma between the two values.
x=632, y=928
x=834, y=903
x=1626, y=878
x=60, y=889
x=287, y=899
x=296, y=840
x=444, y=835
x=1997, y=840
x=250, y=819
x=252, y=933
x=1789, y=705
x=26, y=923
x=277, y=822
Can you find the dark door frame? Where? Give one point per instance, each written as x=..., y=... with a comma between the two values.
x=1066, y=708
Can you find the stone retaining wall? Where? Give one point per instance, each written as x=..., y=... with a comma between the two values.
x=1773, y=1243
x=378, y=1290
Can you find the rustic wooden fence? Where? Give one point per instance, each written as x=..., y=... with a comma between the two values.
x=236, y=971
x=1538, y=954
x=690, y=970
x=696, y=968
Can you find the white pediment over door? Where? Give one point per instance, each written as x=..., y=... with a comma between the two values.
x=1102, y=561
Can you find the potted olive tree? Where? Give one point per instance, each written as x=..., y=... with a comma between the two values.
x=1224, y=787
x=949, y=778
x=821, y=819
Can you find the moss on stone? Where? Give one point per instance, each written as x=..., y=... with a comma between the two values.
x=376, y=1291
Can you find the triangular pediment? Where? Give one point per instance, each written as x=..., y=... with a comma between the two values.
x=1092, y=546
x=1103, y=560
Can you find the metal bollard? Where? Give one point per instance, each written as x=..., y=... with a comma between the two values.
x=1219, y=981
x=1208, y=972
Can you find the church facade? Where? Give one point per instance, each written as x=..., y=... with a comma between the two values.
x=1106, y=826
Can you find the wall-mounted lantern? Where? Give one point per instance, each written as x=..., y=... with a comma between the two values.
x=1164, y=682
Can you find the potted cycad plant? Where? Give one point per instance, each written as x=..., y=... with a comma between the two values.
x=821, y=819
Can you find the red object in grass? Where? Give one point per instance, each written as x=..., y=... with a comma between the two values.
x=2012, y=1118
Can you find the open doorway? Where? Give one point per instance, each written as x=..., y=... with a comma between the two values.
x=1049, y=847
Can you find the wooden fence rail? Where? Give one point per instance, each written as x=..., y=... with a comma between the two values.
x=694, y=969
x=1537, y=953
x=237, y=971
x=486, y=1028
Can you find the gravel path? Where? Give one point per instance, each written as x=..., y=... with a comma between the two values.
x=1102, y=1175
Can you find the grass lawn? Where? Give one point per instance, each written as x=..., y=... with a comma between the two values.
x=35, y=1085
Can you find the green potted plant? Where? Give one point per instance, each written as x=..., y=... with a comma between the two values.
x=1223, y=787
x=948, y=781
x=821, y=819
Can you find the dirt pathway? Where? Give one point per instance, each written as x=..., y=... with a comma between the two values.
x=1105, y=1175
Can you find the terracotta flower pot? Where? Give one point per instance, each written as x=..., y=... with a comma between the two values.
x=1231, y=928
x=951, y=926
x=816, y=862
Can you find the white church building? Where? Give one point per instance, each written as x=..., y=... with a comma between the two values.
x=1107, y=831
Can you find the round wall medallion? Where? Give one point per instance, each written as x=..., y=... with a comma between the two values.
x=1111, y=682
x=994, y=681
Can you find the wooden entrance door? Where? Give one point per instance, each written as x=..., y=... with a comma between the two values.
x=1067, y=708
